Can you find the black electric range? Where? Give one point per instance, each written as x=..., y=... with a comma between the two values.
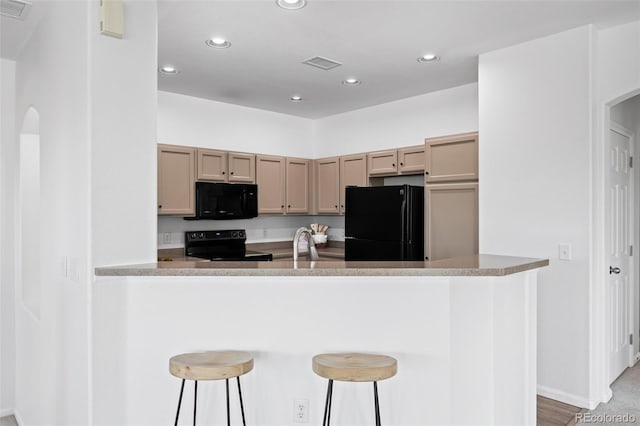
x=226, y=245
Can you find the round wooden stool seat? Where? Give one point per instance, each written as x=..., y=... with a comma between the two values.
x=355, y=367
x=214, y=365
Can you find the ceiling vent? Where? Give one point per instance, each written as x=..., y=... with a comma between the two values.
x=17, y=9
x=320, y=62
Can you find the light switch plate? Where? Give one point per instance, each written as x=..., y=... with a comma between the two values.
x=564, y=251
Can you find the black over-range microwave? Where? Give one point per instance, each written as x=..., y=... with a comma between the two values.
x=226, y=200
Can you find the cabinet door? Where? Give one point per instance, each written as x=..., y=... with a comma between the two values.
x=176, y=177
x=212, y=165
x=353, y=172
x=328, y=185
x=451, y=220
x=242, y=167
x=411, y=160
x=270, y=179
x=297, y=185
x=383, y=162
x=451, y=158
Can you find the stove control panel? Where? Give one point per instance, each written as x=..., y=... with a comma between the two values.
x=229, y=234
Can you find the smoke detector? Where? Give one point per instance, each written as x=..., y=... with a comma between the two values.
x=322, y=63
x=17, y=9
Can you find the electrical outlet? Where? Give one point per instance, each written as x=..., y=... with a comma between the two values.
x=564, y=251
x=301, y=410
x=166, y=238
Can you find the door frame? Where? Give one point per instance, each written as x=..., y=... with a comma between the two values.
x=632, y=303
x=599, y=360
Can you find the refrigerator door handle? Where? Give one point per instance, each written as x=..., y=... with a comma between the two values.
x=403, y=214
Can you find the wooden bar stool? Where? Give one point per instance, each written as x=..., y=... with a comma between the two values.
x=215, y=365
x=353, y=367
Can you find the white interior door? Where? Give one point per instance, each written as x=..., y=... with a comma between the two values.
x=619, y=233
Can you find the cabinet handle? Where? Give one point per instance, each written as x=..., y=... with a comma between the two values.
x=402, y=164
x=289, y=206
x=225, y=172
x=336, y=206
x=426, y=173
x=282, y=206
x=159, y=207
x=393, y=164
x=231, y=172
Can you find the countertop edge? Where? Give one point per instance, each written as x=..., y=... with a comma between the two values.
x=303, y=269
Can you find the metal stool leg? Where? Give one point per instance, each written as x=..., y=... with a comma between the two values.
x=377, y=405
x=326, y=419
x=195, y=400
x=179, y=403
x=241, y=404
x=228, y=412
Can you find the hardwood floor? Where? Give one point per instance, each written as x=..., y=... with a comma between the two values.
x=555, y=413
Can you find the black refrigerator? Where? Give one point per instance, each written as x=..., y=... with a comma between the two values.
x=384, y=223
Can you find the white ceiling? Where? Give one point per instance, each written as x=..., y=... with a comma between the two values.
x=377, y=42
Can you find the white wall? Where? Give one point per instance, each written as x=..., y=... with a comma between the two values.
x=123, y=139
x=97, y=134
x=400, y=123
x=618, y=61
x=8, y=147
x=534, y=102
x=186, y=120
x=51, y=77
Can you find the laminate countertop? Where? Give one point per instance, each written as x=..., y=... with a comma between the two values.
x=476, y=265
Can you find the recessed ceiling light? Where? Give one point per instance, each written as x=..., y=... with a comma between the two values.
x=168, y=69
x=291, y=4
x=429, y=57
x=351, y=81
x=296, y=98
x=218, y=43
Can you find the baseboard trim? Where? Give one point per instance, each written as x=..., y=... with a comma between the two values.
x=6, y=412
x=566, y=397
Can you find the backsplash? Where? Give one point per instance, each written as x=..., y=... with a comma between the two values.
x=260, y=229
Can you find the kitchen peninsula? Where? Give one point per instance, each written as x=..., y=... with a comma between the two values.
x=463, y=331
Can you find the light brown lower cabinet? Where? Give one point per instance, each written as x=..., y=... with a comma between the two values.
x=176, y=177
x=451, y=220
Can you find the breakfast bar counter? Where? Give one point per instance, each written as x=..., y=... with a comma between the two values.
x=463, y=331
x=478, y=265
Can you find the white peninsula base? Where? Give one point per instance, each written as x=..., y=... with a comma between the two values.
x=465, y=345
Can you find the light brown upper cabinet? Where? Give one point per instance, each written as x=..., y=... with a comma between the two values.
x=451, y=224
x=297, y=185
x=451, y=158
x=176, y=177
x=328, y=185
x=383, y=162
x=270, y=177
x=212, y=165
x=242, y=167
x=353, y=172
x=411, y=160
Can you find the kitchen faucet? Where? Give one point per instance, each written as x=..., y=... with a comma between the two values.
x=313, y=253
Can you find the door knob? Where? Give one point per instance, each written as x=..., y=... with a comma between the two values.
x=613, y=270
